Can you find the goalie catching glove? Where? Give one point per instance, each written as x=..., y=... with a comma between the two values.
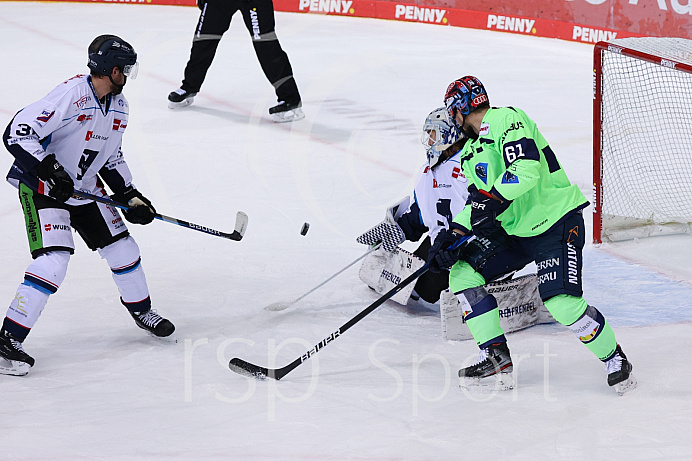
x=388, y=233
x=141, y=211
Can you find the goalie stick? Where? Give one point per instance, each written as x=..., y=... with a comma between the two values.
x=241, y=218
x=254, y=371
x=281, y=306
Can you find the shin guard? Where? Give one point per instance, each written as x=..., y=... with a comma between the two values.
x=41, y=279
x=126, y=266
x=481, y=315
x=593, y=330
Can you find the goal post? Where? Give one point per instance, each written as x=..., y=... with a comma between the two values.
x=642, y=138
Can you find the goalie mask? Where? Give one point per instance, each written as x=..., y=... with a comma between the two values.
x=438, y=134
x=464, y=96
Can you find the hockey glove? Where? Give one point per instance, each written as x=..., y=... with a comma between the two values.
x=389, y=233
x=479, y=250
x=484, y=211
x=447, y=249
x=141, y=211
x=60, y=184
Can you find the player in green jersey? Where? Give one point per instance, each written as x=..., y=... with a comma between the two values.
x=523, y=209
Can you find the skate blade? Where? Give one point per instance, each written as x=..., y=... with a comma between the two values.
x=170, y=339
x=181, y=104
x=497, y=382
x=13, y=367
x=627, y=385
x=288, y=116
x=165, y=339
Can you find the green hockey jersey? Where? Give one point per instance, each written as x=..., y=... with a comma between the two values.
x=513, y=160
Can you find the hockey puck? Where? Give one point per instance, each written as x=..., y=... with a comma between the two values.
x=304, y=229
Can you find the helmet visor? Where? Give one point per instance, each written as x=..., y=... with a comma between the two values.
x=131, y=70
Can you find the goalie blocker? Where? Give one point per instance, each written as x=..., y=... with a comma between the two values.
x=519, y=302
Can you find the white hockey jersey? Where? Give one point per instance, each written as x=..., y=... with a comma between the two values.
x=441, y=194
x=84, y=134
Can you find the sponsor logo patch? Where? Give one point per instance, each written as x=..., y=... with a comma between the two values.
x=456, y=173
x=45, y=116
x=482, y=172
x=82, y=101
x=118, y=125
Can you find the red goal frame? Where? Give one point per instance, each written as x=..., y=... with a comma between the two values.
x=599, y=49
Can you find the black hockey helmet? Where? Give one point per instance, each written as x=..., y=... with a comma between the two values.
x=109, y=51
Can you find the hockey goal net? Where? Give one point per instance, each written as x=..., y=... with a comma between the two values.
x=642, y=117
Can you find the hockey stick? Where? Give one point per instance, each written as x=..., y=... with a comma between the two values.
x=241, y=218
x=254, y=371
x=281, y=306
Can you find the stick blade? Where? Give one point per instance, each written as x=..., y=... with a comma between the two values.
x=248, y=369
x=278, y=306
x=241, y=221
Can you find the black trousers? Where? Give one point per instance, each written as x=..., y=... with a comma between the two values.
x=258, y=16
x=430, y=285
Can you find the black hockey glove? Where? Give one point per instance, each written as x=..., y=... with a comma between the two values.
x=447, y=249
x=60, y=184
x=484, y=211
x=141, y=211
x=479, y=250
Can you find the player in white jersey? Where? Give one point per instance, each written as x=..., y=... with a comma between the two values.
x=71, y=139
x=439, y=194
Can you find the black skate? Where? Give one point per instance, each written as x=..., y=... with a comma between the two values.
x=153, y=323
x=619, y=371
x=492, y=371
x=180, y=98
x=13, y=359
x=286, y=112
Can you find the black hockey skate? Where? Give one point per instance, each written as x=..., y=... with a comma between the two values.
x=619, y=371
x=13, y=359
x=153, y=323
x=286, y=112
x=180, y=98
x=492, y=371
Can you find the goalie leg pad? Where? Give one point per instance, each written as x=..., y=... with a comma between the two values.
x=383, y=270
x=519, y=306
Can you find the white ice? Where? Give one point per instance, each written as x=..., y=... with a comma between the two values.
x=385, y=390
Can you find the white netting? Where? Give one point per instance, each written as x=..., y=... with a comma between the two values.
x=646, y=138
